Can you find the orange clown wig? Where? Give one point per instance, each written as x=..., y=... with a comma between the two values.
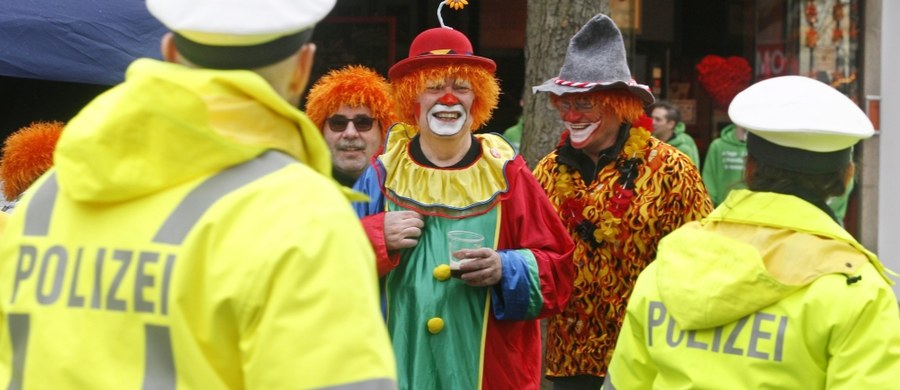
x=484, y=85
x=355, y=86
x=27, y=154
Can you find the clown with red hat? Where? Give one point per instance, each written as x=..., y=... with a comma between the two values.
x=479, y=329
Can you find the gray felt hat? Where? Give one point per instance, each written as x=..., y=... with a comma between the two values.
x=595, y=60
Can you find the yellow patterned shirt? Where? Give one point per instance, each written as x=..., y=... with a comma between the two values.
x=647, y=190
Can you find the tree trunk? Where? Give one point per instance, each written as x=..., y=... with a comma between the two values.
x=551, y=23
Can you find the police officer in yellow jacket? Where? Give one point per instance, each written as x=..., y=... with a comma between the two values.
x=768, y=291
x=190, y=235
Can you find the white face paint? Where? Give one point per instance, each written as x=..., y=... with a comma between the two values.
x=579, y=133
x=446, y=120
x=591, y=126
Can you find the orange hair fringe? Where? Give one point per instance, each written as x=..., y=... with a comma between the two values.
x=485, y=86
x=355, y=86
x=27, y=154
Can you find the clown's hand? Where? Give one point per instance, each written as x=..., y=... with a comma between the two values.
x=482, y=267
x=402, y=229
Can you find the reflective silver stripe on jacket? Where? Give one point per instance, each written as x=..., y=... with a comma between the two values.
x=37, y=216
x=19, y=326
x=185, y=215
x=159, y=359
x=195, y=204
x=373, y=384
x=607, y=383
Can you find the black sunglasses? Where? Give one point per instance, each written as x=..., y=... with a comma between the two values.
x=338, y=123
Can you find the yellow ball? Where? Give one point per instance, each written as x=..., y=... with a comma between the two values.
x=441, y=272
x=435, y=325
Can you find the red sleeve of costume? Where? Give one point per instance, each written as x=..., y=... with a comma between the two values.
x=530, y=222
x=374, y=227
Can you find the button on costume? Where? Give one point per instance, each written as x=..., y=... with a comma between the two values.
x=446, y=333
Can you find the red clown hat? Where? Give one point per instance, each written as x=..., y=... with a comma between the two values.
x=441, y=45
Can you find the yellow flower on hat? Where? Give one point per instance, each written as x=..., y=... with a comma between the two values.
x=456, y=4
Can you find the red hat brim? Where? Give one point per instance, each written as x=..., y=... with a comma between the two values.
x=407, y=65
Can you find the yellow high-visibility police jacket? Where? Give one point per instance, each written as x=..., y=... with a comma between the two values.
x=767, y=292
x=189, y=236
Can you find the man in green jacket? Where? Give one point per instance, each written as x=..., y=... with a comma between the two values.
x=723, y=169
x=668, y=128
x=769, y=291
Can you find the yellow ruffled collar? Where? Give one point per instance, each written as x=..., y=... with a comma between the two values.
x=452, y=192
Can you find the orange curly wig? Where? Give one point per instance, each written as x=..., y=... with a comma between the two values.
x=27, y=154
x=625, y=105
x=355, y=86
x=485, y=86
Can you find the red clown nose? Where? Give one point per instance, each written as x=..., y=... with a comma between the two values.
x=571, y=116
x=448, y=99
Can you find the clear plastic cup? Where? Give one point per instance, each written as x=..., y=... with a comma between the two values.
x=458, y=240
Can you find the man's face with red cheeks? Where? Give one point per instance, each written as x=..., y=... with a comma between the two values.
x=444, y=108
x=591, y=125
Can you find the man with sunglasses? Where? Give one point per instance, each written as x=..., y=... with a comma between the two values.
x=352, y=106
x=479, y=330
x=616, y=188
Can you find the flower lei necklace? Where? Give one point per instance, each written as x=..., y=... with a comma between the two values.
x=586, y=215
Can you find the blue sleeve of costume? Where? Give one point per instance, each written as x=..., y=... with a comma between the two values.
x=369, y=184
x=518, y=294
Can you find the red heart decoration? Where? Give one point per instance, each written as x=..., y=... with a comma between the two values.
x=723, y=78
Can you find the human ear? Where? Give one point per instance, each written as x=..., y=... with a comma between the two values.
x=848, y=174
x=749, y=169
x=300, y=77
x=167, y=47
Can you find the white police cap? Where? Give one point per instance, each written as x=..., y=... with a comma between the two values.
x=223, y=34
x=801, y=113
